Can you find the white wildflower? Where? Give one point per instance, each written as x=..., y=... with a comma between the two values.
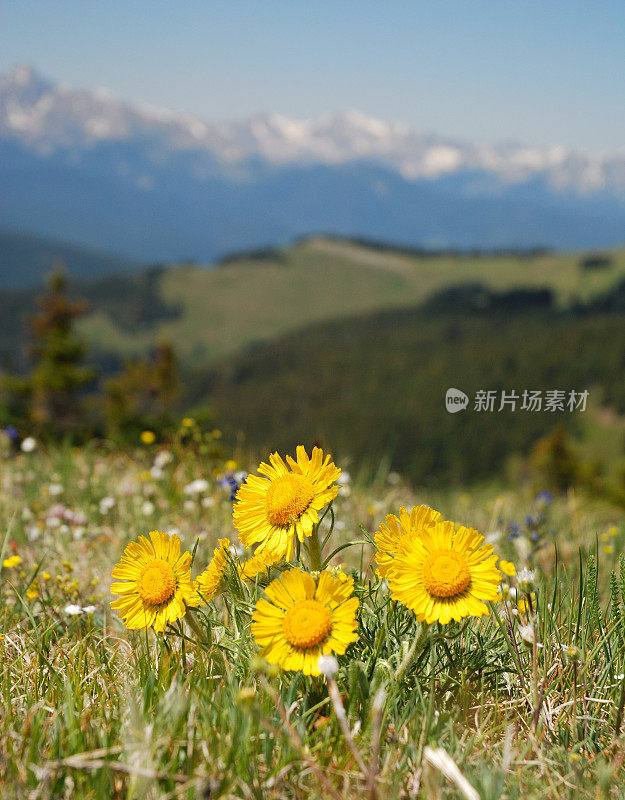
x=163, y=458
x=147, y=509
x=571, y=652
x=106, y=504
x=528, y=634
x=73, y=610
x=526, y=579
x=198, y=486
x=28, y=445
x=328, y=666
x=33, y=532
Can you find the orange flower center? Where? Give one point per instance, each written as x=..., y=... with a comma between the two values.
x=307, y=623
x=157, y=583
x=446, y=574
x=288, y=497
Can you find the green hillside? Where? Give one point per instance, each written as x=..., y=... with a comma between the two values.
x=212, y=312
x=25, y=260
x=356, y=345
x=252, y=300
x=374, y=387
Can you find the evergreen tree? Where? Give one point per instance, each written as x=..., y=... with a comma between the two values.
x=555, y=460
x=143, y=395
x=50, y=398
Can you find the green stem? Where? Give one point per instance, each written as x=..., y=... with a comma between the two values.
x=194, y=624
x=415, y=648
x=314, y=550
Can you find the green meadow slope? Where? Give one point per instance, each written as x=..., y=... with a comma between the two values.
x=213, y=313
x=355, y=345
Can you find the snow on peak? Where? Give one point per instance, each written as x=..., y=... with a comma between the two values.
x=49, y=118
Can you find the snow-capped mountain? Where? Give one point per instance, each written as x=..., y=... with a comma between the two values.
x=87, y=165
x=50, y=118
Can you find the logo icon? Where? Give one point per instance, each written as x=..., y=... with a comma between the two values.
x=455, y=400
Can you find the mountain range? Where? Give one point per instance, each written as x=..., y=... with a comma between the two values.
x=84, y=166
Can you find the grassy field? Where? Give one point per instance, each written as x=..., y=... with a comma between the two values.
x=524, y=703
x=251, y=300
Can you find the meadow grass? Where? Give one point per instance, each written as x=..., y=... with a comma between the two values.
x=525, y=703
x=226, y=309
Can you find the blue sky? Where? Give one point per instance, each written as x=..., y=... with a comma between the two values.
x=520, y=70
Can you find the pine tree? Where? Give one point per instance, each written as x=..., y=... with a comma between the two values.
x=50, y=398
x=143, y=395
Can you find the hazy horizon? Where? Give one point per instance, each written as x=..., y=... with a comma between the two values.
x=544, y=74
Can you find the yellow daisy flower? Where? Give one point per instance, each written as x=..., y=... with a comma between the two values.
x=303, y=619
x=396, y=530
x=148, y=437
x=155, y=582
x=207, y=584
x=507, y=567
x=445, y=574
x=257, y=563
x=272, y=509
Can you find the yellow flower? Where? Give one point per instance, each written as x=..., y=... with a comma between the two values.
x=207, y=584
x=445, y=574
x=32, y=593
x=613, y=531
x=272, y=509
x=395, y=531
x=156, y=584
x=608, y=549
x=507, y=567
x=303, y=619
x=257, y=563
x=523, y=605
x=46, y=576
x=148, y=437
x=187, y=422
x=230, y=465
x=11, y=561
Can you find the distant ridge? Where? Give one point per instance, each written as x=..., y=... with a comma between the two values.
x=85, y=166
x=26, y=259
